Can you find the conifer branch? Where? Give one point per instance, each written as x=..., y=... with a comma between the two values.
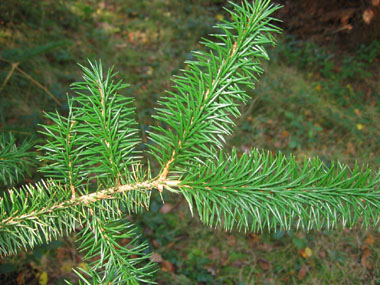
x=114, y=263
x=209, y=91
x=105, y=119
x=48, y=208
x=259, y=191
x=62, y=151
x=96, y=176
x=15, y=161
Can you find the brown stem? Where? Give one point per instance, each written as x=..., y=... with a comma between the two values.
x=9, y=75
x=35, y=82
x=90, y=198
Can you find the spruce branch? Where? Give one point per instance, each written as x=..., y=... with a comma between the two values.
x=96, y=177
x=114, y=263
x=210, y=91
x=105, y=120
x=259, y=191
x=40, y=213
x=63, y=150
x=15, y=161
x=98, y=137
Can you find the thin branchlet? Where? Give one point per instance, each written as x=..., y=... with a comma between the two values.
x=104, y=194
x=209, y=91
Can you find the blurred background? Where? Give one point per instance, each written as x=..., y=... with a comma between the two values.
x=319, y=96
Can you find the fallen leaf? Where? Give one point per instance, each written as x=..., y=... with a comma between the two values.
x=264, y=264
x=149, y=70
x=284, y=133
x=358, y=112
x=302, y=273
x=231, y=240
x=277, y=144
x=20, y=279
x=43, y=278
x=368, y=15
x=254, y=240
x=364, y=259
x=167, y=266
x=156, y=257
x=370, y=240
x=322, y=254
x=219, y=17
x=212, y=270
x=350, y=149
x=155, y=243
x=267, y=247
x=166, y=208
x=306, y=252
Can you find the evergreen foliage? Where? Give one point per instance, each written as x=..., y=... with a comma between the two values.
x=15, y=161
x=96, y=177
x=117, y=264
x=259, y=191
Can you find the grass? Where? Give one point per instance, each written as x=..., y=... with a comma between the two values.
x=312, y=101
x=292, y=112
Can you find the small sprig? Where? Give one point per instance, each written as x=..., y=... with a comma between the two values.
x=15, y=161
x=45, y=211
x=114, y=263
x=211, y=89
x=105, y=119
x=63, y=151
x=260, y=191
